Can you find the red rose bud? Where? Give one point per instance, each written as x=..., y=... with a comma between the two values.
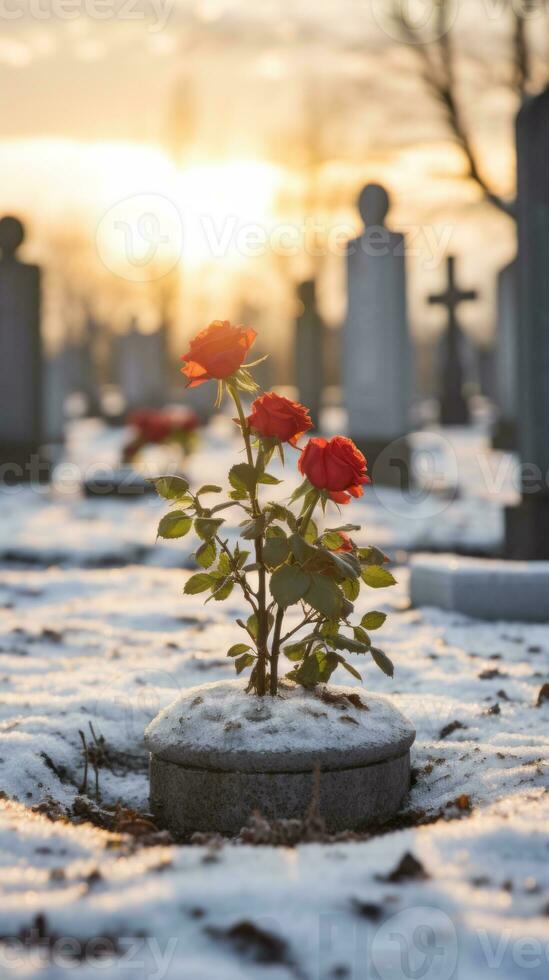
x=217, y=352
x=276, y=417
x=346, y=543
x=336, y=466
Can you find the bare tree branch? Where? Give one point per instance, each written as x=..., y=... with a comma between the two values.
x=437, y=71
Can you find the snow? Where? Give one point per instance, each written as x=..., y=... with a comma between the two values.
x=209, y=722
x=93, y=632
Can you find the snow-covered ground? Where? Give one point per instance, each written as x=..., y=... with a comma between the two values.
x=456, y=504
x=93, y=644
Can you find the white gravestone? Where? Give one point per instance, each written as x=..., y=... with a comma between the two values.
x=376, y=347
x=141, y=368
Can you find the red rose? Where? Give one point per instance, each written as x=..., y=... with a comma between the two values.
x=276, y=417
x=217, y=352
x=335, y=465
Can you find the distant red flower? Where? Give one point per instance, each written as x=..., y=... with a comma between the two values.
x=216, y=352
x=276, y=417
x=334, y=465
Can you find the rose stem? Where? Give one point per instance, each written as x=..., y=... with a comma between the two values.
x=262, y=622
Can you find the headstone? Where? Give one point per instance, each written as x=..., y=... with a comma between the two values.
x=141, y=364
x=376, y=348
x=453, y=405
x=309, y=350
x=505, y=432
x=483, y=588
x=56, y=391
x=527, y=525
x=21, y=433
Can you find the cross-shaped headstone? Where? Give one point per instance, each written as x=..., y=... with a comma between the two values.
x=453, y=406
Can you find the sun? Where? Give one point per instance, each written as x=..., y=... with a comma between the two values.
x=224, y=206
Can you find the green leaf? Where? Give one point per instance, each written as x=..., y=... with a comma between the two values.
x=246, y=660
x=301, y=490
x=342, y=642
x=382, y=660
x=288, y=585
x=377, y=577
x=346, y=564
x=327, y=663
x=269, y=479
x=330, y=627
x=280, y=513
x=207, y=527
x=237, y=649
x=308, y=673
x=224, y=590
x=351, y=669
x=300, y=549
x=331, y=540
x=295, y=651
x=324, y=596
x=171, y=487
x=362, y=636
x=372, y=556
x=176, y=524
x=373, y=620
x=253, y=529
x=209, y=488
x=206, y=554
x=351, y=588
x=311, y=534
x=275, y=551
x=242, y=476
x=200, y=582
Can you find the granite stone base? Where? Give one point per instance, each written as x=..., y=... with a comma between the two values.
x=219, y=753
x=187, y=799
x=483, y=588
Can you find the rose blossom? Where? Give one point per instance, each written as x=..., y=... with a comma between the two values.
x=276, y=417
x=216, y=352
x=334, y=465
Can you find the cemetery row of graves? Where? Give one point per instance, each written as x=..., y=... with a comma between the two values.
x=96, y=639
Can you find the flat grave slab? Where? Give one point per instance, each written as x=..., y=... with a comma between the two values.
x=484, y=588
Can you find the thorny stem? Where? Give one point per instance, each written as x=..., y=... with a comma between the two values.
x=275, y=651
x=262, y=620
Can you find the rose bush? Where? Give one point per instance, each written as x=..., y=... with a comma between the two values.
x=294, y=563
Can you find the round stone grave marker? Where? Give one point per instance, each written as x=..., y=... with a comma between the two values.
x=218, y=754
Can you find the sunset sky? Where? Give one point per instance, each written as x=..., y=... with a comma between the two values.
x=224, y=109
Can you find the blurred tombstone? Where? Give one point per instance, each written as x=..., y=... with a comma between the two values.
x=89, y=366
x=527, y=525
x=309, y=348
x=505, y=431
x=454, y=409
x=141, y=368
x=56, y=392
x=21, y=368
x=486, y=367
x=377, y=355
